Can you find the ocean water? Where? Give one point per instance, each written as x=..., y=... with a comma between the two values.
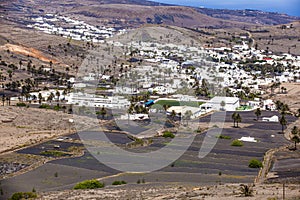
x=290, y=7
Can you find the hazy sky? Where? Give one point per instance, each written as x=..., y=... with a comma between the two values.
x=291, y=7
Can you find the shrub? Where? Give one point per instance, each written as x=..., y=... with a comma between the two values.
x=168, y=134
x=57, y=108
x=254, y=163
x=89, y=184
x=22, y=104
x=23, y=195
x=119, y=182
x=53, y=153
x=44, y=106
x=224, y=137
x=237, y=143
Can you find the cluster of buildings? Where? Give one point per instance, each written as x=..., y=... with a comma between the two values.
x=169, y=69
x=73, y=29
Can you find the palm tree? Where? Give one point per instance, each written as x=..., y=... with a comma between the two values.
x=187, y=116
x=103, y=112
x=50, y=97
x=296, y=137
x=257, y=113
x=40, y=97
x=165, y=106
x=20, y=64
x=284, y=109
x=129, y=111
x=223, y=104
x=238, y=119
x=8, y=101
x=234, y=117
x=65, y=93
x=57, y=94
x=283, y=122
x=173, y=115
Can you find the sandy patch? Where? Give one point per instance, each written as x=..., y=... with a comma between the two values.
x=27, y=52
x=21, y=127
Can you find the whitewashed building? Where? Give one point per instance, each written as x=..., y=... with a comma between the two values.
x=91, y=100
x=231, y=103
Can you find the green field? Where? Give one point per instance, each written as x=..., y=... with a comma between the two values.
x=179, y=103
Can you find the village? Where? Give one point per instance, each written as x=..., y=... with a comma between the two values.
x=72, y=29
x=211, y=79
x=142, y=88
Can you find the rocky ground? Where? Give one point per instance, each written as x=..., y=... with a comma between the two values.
x=20, y=127
x=227, y=192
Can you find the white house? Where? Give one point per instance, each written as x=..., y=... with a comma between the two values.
x=269, y=105
x=92, y=100
x=196, y=112
x=270, y=119
x=231, y=103
x=254, y=104
x=161, y=90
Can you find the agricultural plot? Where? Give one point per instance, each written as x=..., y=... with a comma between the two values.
x=225, y=163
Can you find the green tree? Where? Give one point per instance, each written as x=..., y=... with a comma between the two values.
x=254, y=163
x=187, y=116
x=257, y=113
x=57, y=95
x=20, y=64
x=9, y=74
x=103, y=112
x=40, y=97
x=223, y=104
x=165, y=106
x=89, y=184
x=238, y=119
x=283, y=122
x=23, y=195
x=234, y=117
x=173, y=115
x=50, y=97
x=295, y=136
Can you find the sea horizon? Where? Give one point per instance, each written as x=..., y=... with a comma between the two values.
x=289, y=7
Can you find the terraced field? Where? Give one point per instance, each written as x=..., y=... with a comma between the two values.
x=225, y=163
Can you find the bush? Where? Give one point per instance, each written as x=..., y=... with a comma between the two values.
x=44, y=106
x=168, y=134
x=23, y=195
x=21, y=104
x=53, y=153
x=237, y=143
x=89, y=184
x=57, y=108
x=224, y=137
x=119, y=182
x=254, y=163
